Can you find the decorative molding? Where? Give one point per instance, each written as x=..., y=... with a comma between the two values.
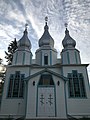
x=48, y=71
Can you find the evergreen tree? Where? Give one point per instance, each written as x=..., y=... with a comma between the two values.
x=1, y=60
x=2, y=77
x=11, y=49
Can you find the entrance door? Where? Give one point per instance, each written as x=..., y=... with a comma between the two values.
x=46, y=102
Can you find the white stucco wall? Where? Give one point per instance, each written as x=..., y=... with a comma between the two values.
x=78, y=106
x=51, y=53
x=60, y=97
x=13, y=106
x=32, y=97
x=22, y=58
x=29, y=104
x=70, y=56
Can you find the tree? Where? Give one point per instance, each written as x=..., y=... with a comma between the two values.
x=2, y=76
x=1, y=60
x=11, y=49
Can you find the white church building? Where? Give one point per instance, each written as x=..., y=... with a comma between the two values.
x=46, y=87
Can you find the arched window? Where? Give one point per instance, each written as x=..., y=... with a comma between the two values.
x=46, y=79
x=45, y=59
x=16, y=85
x=76, y=84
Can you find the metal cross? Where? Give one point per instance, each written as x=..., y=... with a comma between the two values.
x=46, y=18
x=42, y=99
x=50, y=99
x=66, y=25
x=26, y=26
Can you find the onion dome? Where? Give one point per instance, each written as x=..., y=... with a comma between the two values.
x=24, y=41
x=68, y=41
x=46, y=38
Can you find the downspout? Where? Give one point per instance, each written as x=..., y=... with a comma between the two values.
x=65, y=93
x=65, y=98
x=26, y=93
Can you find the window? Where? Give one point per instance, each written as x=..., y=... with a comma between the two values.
x=16, y=85
x=76, y=84
x=46, y=79
x=21, y=86
x=10, y=85
x=45, y=59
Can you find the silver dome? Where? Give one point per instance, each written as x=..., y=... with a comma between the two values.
x=24, y=41
x=68, y=41
x=46, y=38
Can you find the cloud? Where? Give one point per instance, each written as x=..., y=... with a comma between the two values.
x=75, y=13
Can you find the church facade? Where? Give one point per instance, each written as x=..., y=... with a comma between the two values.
x=46, y=87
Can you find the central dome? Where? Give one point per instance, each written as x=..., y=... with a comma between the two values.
x=46, y=38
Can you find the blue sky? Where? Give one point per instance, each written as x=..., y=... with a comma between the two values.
x=14, y=14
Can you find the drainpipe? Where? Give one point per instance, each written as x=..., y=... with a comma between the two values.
x=65, y=98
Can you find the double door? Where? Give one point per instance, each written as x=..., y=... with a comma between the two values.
x=46, y=102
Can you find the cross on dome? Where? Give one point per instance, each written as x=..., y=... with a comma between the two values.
x=66, y=25
x=26, y=25
x=66, y=31
x=46, y=38
x=68, y=41
x=46, y=18
x=24, y=41
x=46, y=26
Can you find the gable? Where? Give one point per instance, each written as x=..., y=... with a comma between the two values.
x=46, y=71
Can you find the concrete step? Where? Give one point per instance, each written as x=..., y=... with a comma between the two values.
x=47, y=119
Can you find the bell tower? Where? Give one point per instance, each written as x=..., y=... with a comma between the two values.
x=46, y=54
x=69, y=54
x=23, y=55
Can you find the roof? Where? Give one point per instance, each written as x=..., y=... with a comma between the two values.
x=68, y=41
x=46, y=70
x=24, y=41
x=46, y=38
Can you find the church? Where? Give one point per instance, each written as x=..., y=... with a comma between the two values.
x=46, y=87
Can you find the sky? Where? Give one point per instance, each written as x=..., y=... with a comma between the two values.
x=14, y=14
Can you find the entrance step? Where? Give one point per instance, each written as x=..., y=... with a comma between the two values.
x=60, y=119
